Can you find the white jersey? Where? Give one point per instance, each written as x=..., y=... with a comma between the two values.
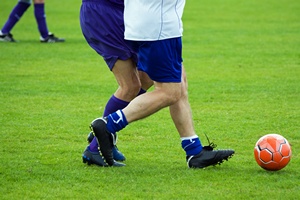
x=150, y=20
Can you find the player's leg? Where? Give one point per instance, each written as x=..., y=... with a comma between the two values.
x=40, y=16
x=39, y=13
x=94, y=17
x=181, y=111
x=197, y=156
x=130, y=86
x=127, y=78
x=13, y=18
x=163, y=95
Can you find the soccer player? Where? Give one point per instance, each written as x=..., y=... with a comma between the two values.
x=39, y=13
x=102, y=25
x=155, y=29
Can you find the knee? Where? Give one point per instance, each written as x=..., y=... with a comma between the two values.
x=184, y=87
x=176, y=96
x=178, y=93
x=173, y=94
x=134, y=89
x=130, y=91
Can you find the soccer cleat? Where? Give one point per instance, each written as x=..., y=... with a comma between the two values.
x=90, y=137
x=118, y=164
x=93, y=158
x=106, y=140
x=51, y=39
x=6, y=37
x=208, y=156
x=117, y=155
x=96, y=158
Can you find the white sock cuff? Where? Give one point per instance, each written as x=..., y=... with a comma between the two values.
x=189, y=138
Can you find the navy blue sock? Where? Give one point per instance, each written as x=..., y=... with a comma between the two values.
x=15, y=16
x=116, y=121
x=113, y=105
x=191, y=145
x=39, y=13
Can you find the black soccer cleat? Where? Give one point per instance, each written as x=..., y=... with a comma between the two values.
x=208, y=158
x=106, y=140
x=118, y=164
x=96, y=158
x=117, y=154
x=6, y=37
x=90, y=137
x=51, y=39
x=93, y=158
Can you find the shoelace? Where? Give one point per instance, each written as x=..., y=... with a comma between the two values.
x=210, y=145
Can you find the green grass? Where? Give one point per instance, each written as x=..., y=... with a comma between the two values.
x=243, y=64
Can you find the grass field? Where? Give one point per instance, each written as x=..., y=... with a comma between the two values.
x=243, y=64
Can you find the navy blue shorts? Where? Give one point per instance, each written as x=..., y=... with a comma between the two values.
x=102, y=25
x=161, y=59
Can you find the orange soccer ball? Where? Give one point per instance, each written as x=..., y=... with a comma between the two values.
x=272, y=152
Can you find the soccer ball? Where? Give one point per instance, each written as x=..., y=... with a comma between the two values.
x=272, y=152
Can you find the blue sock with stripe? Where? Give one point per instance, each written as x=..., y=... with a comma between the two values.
x=191, y=145
x=116, y=121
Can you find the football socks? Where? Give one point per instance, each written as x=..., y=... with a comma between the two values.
x=39, y=13
x=113, y=105
x=15, y=16
x=191, y=145
x=116, y=121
